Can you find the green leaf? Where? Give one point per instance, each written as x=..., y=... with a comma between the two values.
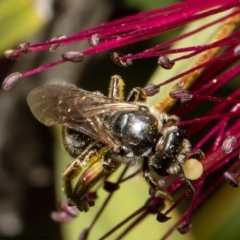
x=144, y=5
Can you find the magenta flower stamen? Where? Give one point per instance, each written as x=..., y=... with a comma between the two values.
x=53, y=47
x=43, y=68
x=10, y=80
x=228, y=143
x=231, y=179
x=129, y=30
x=94, y=39
x=197, y=49
x=165, y=62
x=66, y=214
x=73, y=56
x=23, y=47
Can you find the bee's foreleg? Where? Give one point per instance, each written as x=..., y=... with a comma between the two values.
x=158, y=191
x=137, y=94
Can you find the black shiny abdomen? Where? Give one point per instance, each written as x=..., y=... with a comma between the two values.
x=136, y=130
x=75, y=142
x=168, y=152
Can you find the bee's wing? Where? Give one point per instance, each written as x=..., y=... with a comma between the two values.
x=48, y=106
x=91, y=104
x=76, y=108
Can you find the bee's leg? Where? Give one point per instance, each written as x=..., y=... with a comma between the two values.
x=69, y=174
x=116, y=88
x=187, y=181
x=93, y=174
x=158, y=191
x=198, y=154
x=77, y=195
x=99, y=166
x=168, y=120
x=137, y=94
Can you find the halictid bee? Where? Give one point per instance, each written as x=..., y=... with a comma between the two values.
x=102, y=132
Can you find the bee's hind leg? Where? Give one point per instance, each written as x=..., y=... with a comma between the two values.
x=116, y=88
